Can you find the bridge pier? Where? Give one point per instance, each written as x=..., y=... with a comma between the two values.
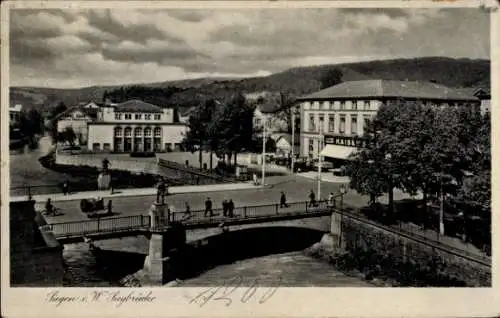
x=159, y=265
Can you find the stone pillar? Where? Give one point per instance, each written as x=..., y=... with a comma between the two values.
x=158, y=263
x=336, y=230
x=159, y=215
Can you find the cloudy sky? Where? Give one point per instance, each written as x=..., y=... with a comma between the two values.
x=70, y=48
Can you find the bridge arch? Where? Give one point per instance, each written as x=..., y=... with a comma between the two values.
x=238, y=244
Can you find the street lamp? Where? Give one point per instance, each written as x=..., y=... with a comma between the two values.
x=320, y=148
x=388, y=158
x=263, y=149
x=293, y=110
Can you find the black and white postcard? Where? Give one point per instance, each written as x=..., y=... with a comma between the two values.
x=249, y=158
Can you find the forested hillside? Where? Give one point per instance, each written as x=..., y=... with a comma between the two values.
x=295, y=82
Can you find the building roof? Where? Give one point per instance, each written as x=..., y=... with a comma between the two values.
x=91, y=112
x=286, y=137
x=16, y=108
x=477, y=91
x=137, y=106
x=390, y=89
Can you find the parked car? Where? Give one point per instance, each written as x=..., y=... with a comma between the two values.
x=302, y=165
x=325, y=165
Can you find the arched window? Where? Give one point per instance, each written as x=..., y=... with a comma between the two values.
x=147, y=132
x=118, y=131
x=157, y=132
x=128, y=132
x=138, y=132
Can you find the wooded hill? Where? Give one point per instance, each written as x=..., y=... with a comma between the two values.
x=294, y=81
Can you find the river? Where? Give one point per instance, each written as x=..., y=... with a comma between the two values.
x=292, y=269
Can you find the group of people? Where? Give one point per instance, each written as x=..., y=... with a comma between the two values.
x=227, y=208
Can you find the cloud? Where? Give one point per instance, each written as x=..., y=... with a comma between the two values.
x=90, y=47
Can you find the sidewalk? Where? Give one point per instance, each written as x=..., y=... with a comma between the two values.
x=325, y=176
x=58, y=197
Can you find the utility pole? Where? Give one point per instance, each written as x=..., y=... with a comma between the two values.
x=320, y=148
x=293, y=139
x=263, y=149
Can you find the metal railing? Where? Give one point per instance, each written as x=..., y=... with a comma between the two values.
x=100, y=225
x=429, y=237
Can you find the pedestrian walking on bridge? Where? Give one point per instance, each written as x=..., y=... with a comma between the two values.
x=230, y=208
x=224, y=207
x=283, y=200
x=208, y=207
x=312, y=199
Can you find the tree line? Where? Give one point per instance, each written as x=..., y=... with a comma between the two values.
x=417, y=147
x=223, y=128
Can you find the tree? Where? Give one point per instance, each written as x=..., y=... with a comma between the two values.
x=67, y=135
x=429, y=150
x=197, y=137
x=331, y=77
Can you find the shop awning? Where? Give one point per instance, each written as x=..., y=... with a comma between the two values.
x=337, y=151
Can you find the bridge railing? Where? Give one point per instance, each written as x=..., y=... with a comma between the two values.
x=250, y=212
x=99, y=225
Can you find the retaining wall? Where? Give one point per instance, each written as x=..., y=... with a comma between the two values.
x=35, y=255
x=388, y=246
x=131, y=164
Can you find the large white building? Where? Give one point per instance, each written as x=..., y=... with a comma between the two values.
x=342, y=111
x=135, y=126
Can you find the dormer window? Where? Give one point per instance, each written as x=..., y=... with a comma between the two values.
x=118, y=116
x=138, y=116
x=147, y=116
x=157, y=117
x=128, y=116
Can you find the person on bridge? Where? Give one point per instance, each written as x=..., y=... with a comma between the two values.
x=110, y=207
x=230, y=208
x=187, y=213
x=65, y=188
x=49, y=208
x=160, y=191
x=331, y=200
x=283, y=200
x=255, y=179
x=208, y=207
x=224, y=207
x=312, y=199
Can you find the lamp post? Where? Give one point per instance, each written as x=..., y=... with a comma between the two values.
x=293, y=139
x=320, y=148
x=263, y=149
x=388, y=158
x=441, y=203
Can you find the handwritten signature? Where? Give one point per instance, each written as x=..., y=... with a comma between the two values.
x=118, y=298
x=234, y=289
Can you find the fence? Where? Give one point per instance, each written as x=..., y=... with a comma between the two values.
x=100, y=225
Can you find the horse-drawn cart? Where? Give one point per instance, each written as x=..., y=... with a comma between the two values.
x=93, y=206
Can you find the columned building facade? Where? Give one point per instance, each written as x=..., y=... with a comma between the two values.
x=342, y=112
x=135, y=126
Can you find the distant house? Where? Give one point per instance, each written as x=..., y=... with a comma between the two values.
x=283, y=143
x=267, y=109
x=484, y=96
x=184, y=115
x=78, y=118
x=15, y=114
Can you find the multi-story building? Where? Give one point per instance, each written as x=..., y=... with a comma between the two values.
x=342, y=111
x=135, y=126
